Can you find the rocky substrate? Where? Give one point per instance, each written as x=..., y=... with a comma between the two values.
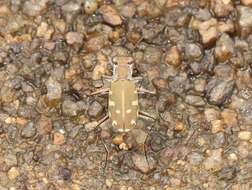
x=197, y=56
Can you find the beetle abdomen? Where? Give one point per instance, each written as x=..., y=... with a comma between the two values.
x=123, y=105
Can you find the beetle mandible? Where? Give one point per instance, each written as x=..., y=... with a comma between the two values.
x=123, y=107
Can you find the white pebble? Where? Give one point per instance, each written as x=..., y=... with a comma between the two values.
x=244, y=135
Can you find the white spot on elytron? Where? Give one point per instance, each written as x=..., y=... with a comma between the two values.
x=134, y=103
x=111, y=103
x=114, y=123
x=118, y=111
x=133, y=122
x=121, y=130
x=128, y=111
x=135, y=91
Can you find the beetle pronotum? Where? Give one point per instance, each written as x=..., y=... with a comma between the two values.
x=123, y=108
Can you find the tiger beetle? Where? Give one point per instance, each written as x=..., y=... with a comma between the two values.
x=123, y=102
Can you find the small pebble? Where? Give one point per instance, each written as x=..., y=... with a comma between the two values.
x=44, y=125
x=110, y=15
x=141, y=163
x=95, y=109
x=75, y=187
x=179, y=126
x=128, y=10
x=143, y=8
x=219, y=91
x=109, y=183
x=58, y=138
x=199, y=85
x=159, y=83
x=74, y=38
x=13, y=173
x=245, y=20
x=34, y=7
x=196, y=68
x=193, y=52
x=139, y=135
x=69, y=108
x=194, y=100
x=244, y=135
x=71, y=7
x=214, y=161
x=65, y=173
x=226, y=26
x=166, y=155
x=49, y=45
x=45, y=31
x=60, y=25
x=208, y=30
x=173, y=56
x=229, y=117
x=211, y=114
x=224, y=49
x=222, y=8
x=217, y=126
x=243, y=149
x=21, y=121
x=29, y=130
x=247, y=2
x=96, y=42
x=123, y=188
x=10, y=160
x=152, y=55
x=232, y=158
x=4, y=10
x=169, y=188
x=54, y=92
x=98, y=71
x=195, y=158
x=90, y=6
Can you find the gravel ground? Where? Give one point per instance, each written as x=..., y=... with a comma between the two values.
x=197, y=55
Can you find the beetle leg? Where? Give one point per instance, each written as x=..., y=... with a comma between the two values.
x=145, y=151
x=137, y=79
x=107, y=78
x=102, y=120
x=145, y=91
x=146, y=115
x=101, y=91
x=107, y=154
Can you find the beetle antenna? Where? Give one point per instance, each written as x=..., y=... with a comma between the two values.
x=145, y=151
x=110, y=60
x=107, y=153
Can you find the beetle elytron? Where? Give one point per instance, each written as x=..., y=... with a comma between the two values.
x=123, y=108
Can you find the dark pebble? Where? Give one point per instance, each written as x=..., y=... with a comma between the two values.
x=95, y=109
x=141, y=163
x=65, y=173
x=219, y=91
x=28, y=131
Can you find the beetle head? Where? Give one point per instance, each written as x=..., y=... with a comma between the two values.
x=122, y=71
x=122, y=68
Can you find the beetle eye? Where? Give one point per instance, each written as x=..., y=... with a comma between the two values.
x=113, y=61
x=131, y=62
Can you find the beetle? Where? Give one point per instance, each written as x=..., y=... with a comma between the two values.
x=123, y=107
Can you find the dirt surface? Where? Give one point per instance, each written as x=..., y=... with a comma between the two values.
x=197, y=56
